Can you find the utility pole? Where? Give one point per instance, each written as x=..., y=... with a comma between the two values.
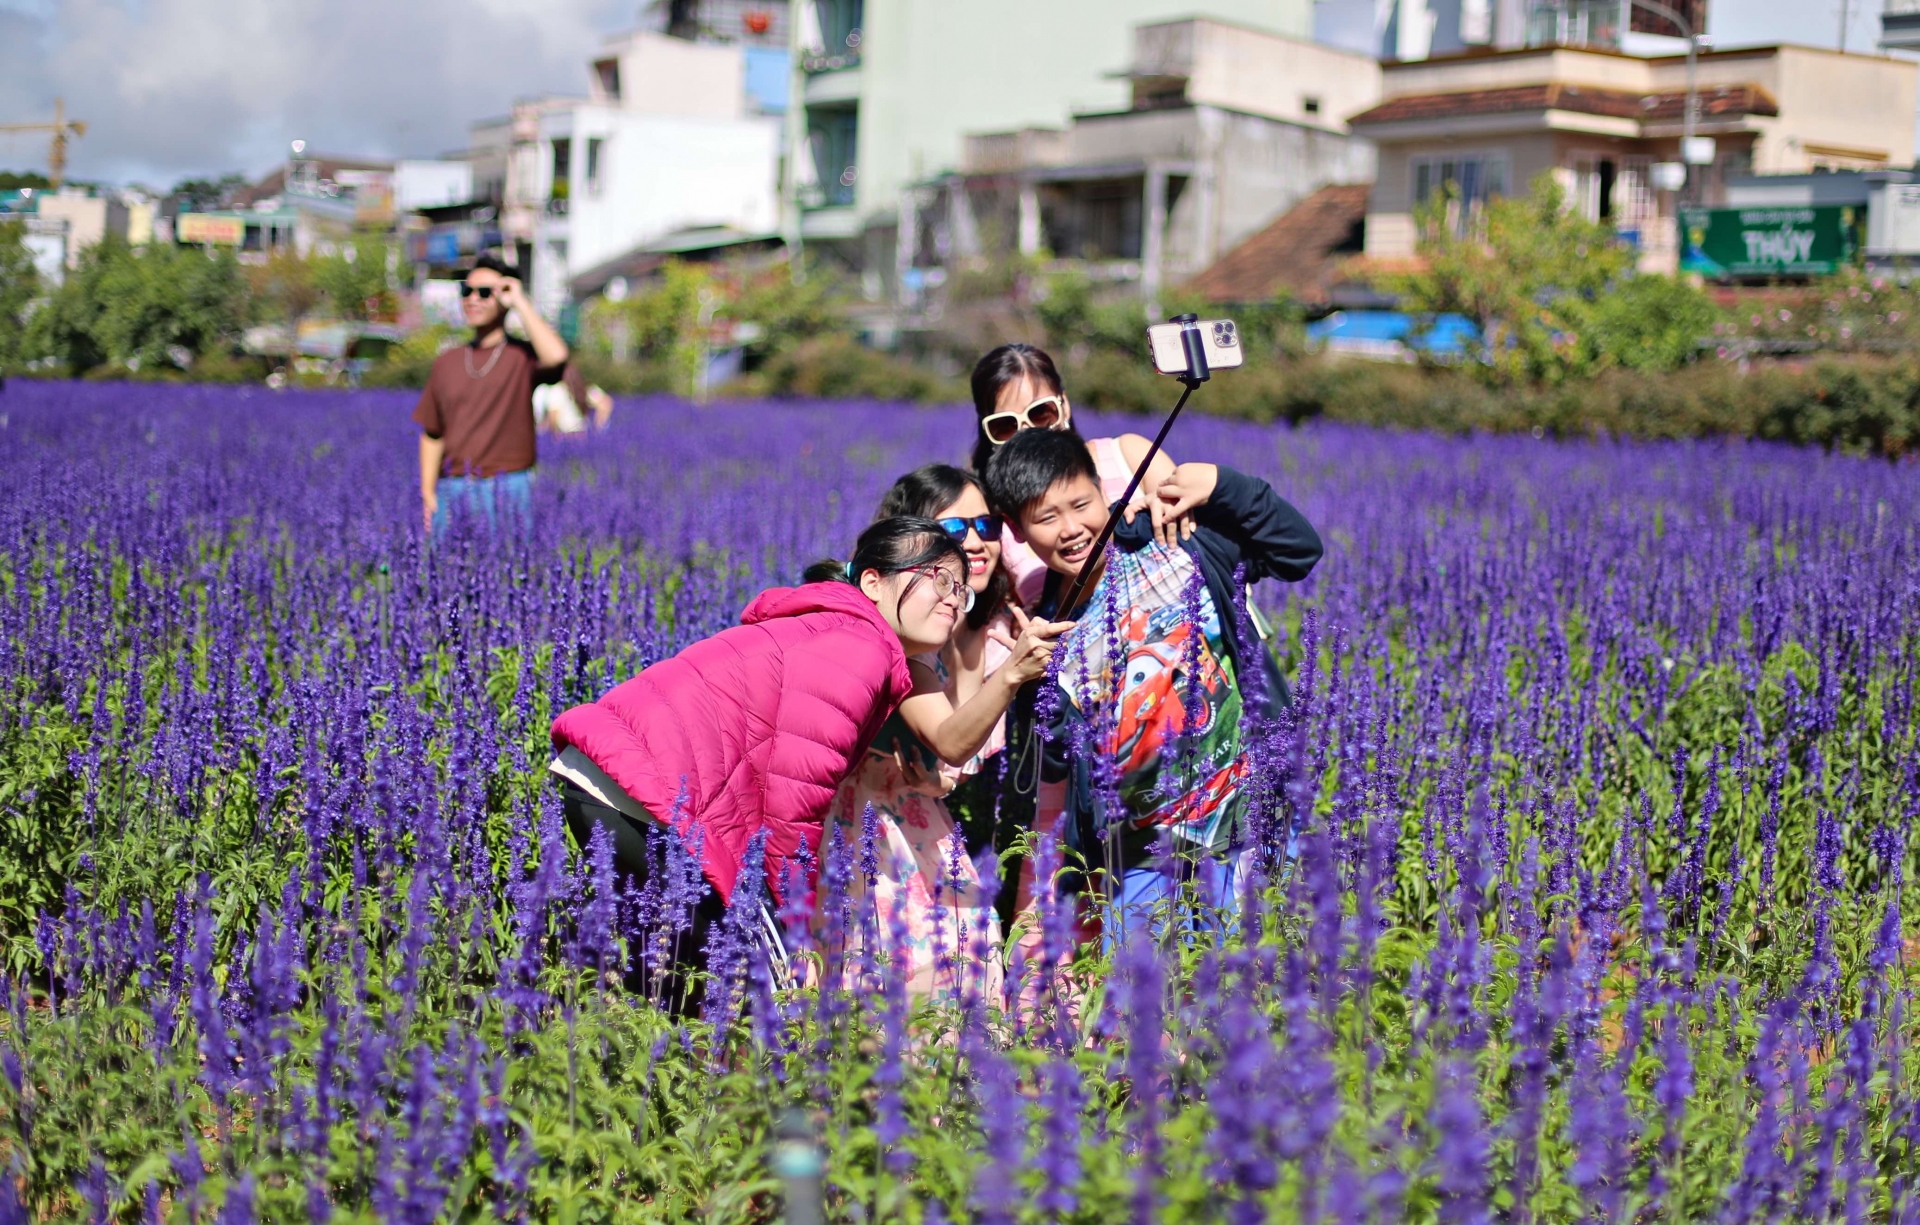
x=1691, y=113
x=795, y=138
x=60, y=128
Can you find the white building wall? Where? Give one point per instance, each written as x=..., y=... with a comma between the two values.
x=1248, y=70
x=671, y=76
x=431, y=184
x=661, y=173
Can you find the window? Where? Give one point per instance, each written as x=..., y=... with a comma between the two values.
x=1602, y=192
x=840, y=24
x=1310, y=103
x=596, y=159
x=1477, y=176
x=1634, y=205
x=562, y=170
x=835, y=137
x=608, y=72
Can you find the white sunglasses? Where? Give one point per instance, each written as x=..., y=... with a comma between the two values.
x=1046, y=413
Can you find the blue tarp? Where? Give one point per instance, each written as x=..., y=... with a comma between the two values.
x=1384, y=333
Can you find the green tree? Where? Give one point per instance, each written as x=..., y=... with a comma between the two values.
x=19, y=286
x=664, y=320
x=1523, y=268
x=285, y=290
x=201, y=195
x=355, y=280
x=789, y=312
x=1648, y=322
x=159, y=299
x=1079, y=322
x=137, y=307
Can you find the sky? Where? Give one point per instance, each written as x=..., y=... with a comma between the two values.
x=172, y=89
x=179, y=88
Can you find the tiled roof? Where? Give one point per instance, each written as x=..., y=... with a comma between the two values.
x=1301, y=252
x=1617, y=103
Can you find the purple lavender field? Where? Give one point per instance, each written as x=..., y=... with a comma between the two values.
x=1601, y=777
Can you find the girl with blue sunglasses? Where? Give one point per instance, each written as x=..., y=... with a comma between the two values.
x=925, y=874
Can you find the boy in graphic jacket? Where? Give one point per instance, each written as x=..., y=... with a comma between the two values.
x=1155, y=678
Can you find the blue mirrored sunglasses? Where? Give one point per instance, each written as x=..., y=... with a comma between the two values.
x=988, y=526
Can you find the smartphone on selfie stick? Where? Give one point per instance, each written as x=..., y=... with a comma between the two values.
x=1191, y=349
x=1173, y=346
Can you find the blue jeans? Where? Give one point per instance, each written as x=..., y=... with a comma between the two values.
x=485, y=499
x=1148, y=898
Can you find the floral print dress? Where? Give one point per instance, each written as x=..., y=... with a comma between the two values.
x=924, y=886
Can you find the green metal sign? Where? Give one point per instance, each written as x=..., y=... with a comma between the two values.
x=1768, y=242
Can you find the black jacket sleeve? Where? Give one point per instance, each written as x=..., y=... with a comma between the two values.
x=1257, y=527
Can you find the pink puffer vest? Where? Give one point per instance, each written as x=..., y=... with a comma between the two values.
x=756, y=725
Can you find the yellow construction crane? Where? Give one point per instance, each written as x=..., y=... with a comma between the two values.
x=60, y=128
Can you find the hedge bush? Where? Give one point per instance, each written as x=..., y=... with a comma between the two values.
x=1858, y=405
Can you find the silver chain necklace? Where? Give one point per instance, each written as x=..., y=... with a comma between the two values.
x=467, y=355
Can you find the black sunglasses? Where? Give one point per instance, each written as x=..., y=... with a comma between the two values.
x=988, y=526
x=483, y=291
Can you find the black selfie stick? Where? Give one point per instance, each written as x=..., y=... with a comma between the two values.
x=1196, y=373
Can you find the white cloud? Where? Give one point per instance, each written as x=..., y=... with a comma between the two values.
x=171, y=88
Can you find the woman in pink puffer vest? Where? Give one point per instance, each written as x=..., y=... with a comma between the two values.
x=751, y=730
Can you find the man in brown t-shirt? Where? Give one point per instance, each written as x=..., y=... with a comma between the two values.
x=476, y=414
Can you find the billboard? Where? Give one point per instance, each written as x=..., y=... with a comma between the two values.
x=1768, y=241
x=215, y=228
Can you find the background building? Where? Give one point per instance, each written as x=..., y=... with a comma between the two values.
x=1602, y=121
x=671, y=138
x=1228, y=126
x=1417, y=29
x=890, y=89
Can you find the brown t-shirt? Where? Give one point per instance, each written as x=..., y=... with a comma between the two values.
x=486, y=420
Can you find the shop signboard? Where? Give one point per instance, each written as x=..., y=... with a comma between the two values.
x=1769, y=241
x=214, y=228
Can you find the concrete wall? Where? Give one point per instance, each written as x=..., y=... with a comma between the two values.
x=1248, y=70
x=1535, y=67
x=1245, y=169
x=661, y=173
x=89, y=219
x=670, y=76
x=46, y=241
x=1390, y=206
x=1263, y=169
x=429, y=184
x=1833, y=107
x=934, y=70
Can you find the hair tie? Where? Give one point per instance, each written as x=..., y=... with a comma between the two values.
x=849, y=571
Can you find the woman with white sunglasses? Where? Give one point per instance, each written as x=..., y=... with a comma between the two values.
x=1017, y=387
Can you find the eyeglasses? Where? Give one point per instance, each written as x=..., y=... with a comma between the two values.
x=1046, y=413
x=483, y=292
x=948, y=586
x=988, y=526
